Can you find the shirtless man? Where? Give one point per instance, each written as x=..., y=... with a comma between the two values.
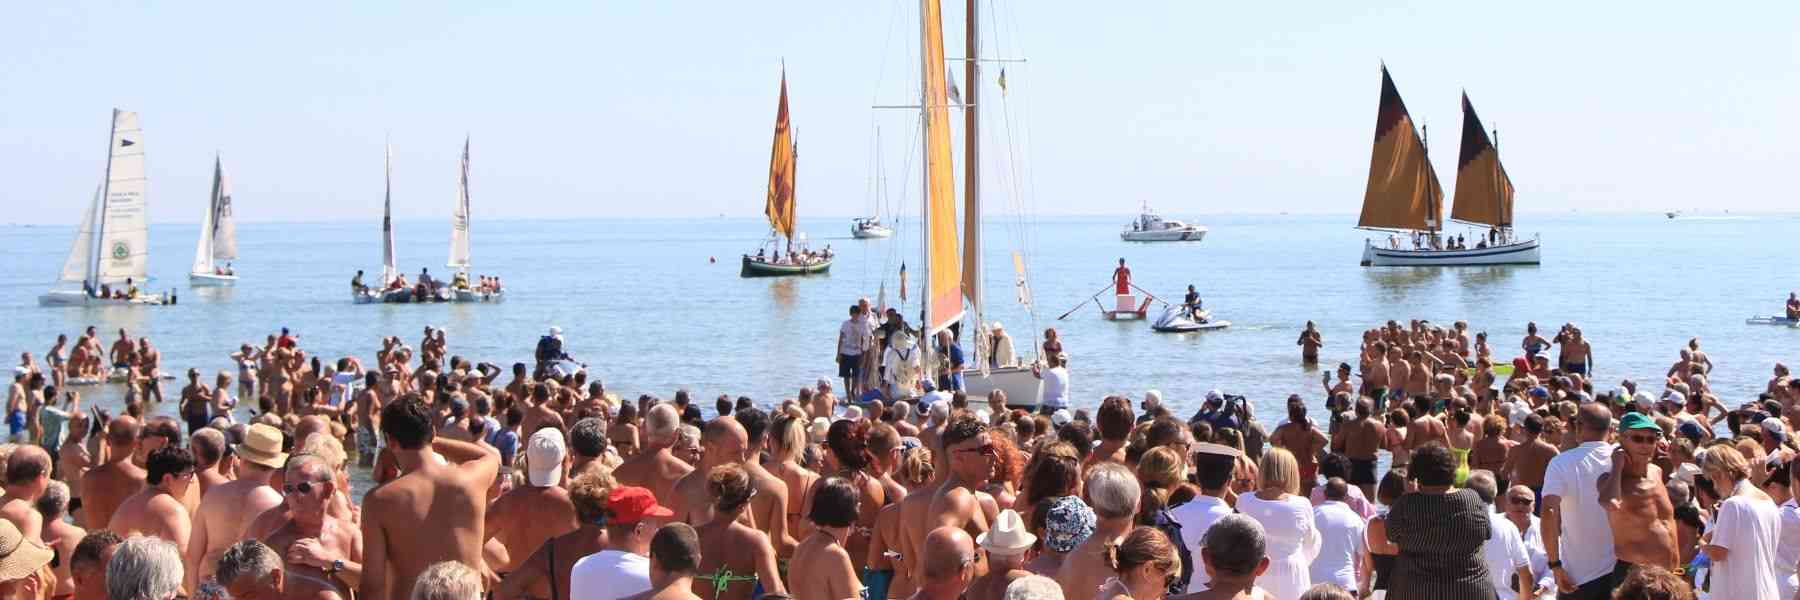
x=1400, y=375
x=121, y=351
x=1299, y=436
x=950, y=561
x=957, y=500
x=1793, y=305
x=656, y=467
x=1309, y=343
x=723, y=441
x=432, y=512
x=59, y=534
x=1425, y=428
x=316, y=546
x=1636, y=501
x=27, y=476
x=208, y=446
x=227, y=511
x=106, y=486
x=1375, y=375
x=1526, y=463
x=195, y=403
x=149, y=369
x=531, y=514
x=365, y=408
x=251, y=569
x=1362, y=440
x=1114, y=492
x=768, y=506
x=157, y=509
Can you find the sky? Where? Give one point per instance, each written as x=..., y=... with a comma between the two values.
x=665, y=109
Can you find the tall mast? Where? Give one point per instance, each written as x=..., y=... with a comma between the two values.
x=1433, y=220
x=972, y=178
x=105, y=199
x=925, y=360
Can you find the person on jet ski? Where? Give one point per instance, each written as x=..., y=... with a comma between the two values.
x=1192, y=304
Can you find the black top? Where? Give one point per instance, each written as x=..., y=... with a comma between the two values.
x=1440, y=538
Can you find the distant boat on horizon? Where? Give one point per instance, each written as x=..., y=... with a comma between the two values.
x=1151, y=227
x=218, y=236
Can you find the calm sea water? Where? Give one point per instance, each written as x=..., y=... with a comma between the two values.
x=642, y=302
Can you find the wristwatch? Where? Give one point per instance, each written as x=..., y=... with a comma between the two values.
x=1555, y=564
x=337, y=566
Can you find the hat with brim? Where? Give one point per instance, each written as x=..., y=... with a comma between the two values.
x=1008, y=537
x=262, y=446
x=20, y=556
x=1636, y=420
x=1216, y=449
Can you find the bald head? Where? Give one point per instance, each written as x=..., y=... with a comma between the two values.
x=947, y=551
x=123, y=431
x=1595, y=421
x=724, y=429
x=27, y=465
x=311, y=424
x=208, y=446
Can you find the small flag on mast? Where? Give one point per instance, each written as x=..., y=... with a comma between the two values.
x=1003, y=81
x=955, y=94
x=903, y=283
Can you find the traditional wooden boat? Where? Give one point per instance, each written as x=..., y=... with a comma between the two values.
x=779, y=207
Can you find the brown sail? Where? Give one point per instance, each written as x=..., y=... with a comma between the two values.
x=1403, y=191
x=780, y=204
x=1484, y=194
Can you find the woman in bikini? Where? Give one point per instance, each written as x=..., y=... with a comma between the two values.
x=887, y=570
x=848, y=443
x=750, y=565
x=787, y=441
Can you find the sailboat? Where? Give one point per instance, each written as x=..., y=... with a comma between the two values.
x=218, y=236
x=779, y=208
x=870, y=227
x=460, y=288
x=393, y=288
x=951, y=279
x=110, y=255
x=1403, y=195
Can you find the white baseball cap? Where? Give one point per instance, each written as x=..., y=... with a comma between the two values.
x=544, y=458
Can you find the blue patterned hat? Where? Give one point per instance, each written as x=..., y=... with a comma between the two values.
x=1068, y=523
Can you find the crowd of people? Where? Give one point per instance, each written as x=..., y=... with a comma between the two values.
x=541, y=483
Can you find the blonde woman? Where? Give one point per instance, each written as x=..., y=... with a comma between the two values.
x=787, y=441
x=1288, y=521
x=1743, y=538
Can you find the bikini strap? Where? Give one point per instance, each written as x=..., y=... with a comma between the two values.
x=555, y=594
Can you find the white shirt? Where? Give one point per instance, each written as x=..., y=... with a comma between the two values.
x=1341, y=544
x=1788, y=553
x=1056, y=387
x=853, y=335
x=1195, y=517
x=608, y=575
x=1540, y=560
x=1749, y=529
x=1505, y=553
x=1586, y=547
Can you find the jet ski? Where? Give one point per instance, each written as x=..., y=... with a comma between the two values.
x=1176, y=319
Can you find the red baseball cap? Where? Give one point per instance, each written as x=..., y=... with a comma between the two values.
x=630, y=504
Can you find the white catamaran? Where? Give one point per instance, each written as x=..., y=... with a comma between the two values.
x=109, y=258
x=218, y=236
x=461, y=290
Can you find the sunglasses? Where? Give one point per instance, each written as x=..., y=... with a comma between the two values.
x=304, y=487
x=982, y=449
x=1643, y=439
x=1520, y=501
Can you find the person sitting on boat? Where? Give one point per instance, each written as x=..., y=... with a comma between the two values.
x=1122, y=279
x=1793, y=306
x=460, y=280
x=399, y=283
x=425, y=278
x=356, y=283
x=131, y=290
x=229, y=270
x=1000, y=347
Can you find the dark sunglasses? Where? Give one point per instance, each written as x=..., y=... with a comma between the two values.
x=982, y=449
x=304, y=487
x=1521, y=501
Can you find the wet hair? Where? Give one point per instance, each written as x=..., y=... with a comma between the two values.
x=1235, y=545
x=729, y=487
x=834, y=503
x=676, y=548
x=163, y=462
x=408, y=420
x=961, y=429
x=849, y=443
x=1646, y=582
x=1144, y=545
x=1392, y=487
x=1433, y=464
x=588, y=438
x=755, y=422
x=1054, y=471
x=1114, y=418
x=1112, y=491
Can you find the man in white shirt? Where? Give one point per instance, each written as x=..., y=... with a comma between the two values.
x=1056, y=383
x=1341, y=539
x=1520, y=503
x=623, y=568
x=1505, y=553
x=1787, y=551
x=1213, y=465
x=1577, y=534
x=853, y=338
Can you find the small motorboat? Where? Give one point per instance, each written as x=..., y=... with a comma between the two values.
x=870, y=228
x=1176, y=319
x=1151, y=227
x=1772, y=320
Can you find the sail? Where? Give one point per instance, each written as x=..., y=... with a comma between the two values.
x=459, y=219
x=203, y=262
x=81, y=254
x=224, y=227
x=389, y=268
x=124, y=227
x=1403, y=191
x=780, y=206
x=943, y=285
x=1484, y=194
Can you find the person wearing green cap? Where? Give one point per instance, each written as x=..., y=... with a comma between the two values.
x=1636, y=501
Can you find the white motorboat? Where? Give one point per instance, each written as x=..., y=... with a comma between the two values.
x=1151, y=227
x=1176, y=319
x=1772, y=320
x=111, y=248
x=218, y=236
x=1403, y=197
x=868, y=228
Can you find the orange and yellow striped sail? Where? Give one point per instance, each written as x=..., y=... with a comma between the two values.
x=1484, y=194
x=943, y=289
x=1403, y=191
x=780, y=207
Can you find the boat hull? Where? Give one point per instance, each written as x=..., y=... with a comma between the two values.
x=1517, y=253
x=870, y=233
x=1188, y=234
x=210, y=279
x=757, y=268
x=1023, y=389
x=78, y=298
x=1772, y=321
x=475, y=296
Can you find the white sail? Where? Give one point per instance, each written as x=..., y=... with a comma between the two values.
x=459, y=220
x=224, y=226
x=203, y=249
x=79, y=266
x=389, y=268
x=124, y=227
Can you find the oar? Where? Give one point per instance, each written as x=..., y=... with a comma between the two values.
x=1083, y=303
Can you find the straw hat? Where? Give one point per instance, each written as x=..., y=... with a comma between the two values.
x=20, y=556
x=1008, y=537
x=262, y=446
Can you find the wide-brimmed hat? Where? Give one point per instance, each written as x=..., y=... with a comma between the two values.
x=1008, y=537
x=262, y=446
x=20, y=556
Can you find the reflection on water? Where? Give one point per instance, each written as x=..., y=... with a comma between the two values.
x=1487, y=274
x=210, y=294
x=783, y=292
x=1394, y=284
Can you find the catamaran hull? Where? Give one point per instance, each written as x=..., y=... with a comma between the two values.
x=78, y=298
x=1519, y=253
x=209, y=279
x=474, y=296
x=1190, y=234
x=756, y=268
x=1023, y=389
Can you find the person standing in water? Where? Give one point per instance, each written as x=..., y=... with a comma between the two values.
x=1122, y=279
x=1309, y=342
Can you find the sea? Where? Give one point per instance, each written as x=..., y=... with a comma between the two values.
x=654, y=306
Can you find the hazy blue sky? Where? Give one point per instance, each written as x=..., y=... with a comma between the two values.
x=666, y=108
